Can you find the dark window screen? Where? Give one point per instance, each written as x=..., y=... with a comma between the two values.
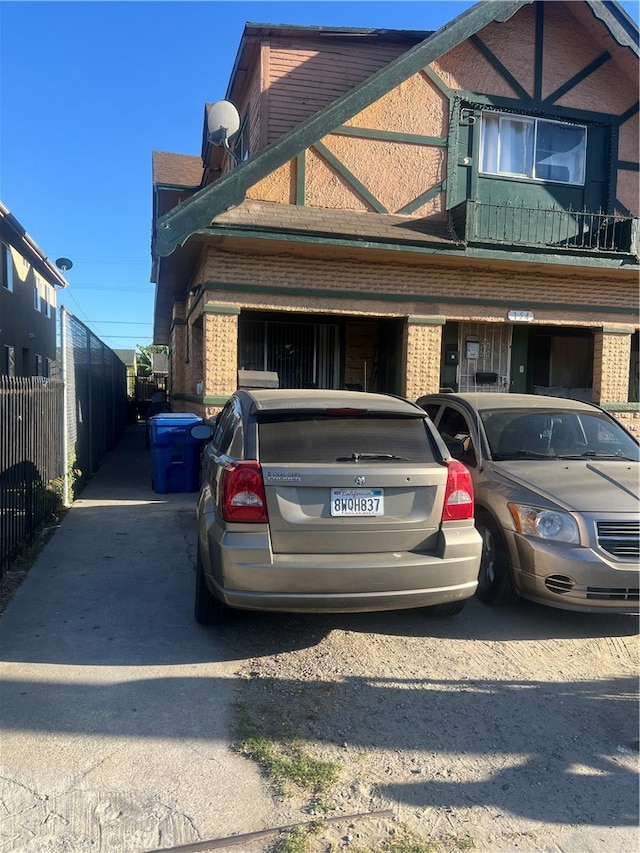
x=327, y=439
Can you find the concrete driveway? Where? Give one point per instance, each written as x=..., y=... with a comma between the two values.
x=512, y=729
x=115, y=704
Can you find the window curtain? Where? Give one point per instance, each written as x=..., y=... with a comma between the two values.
x=516, y=147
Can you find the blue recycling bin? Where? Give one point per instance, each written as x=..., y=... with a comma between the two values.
x=175, y=454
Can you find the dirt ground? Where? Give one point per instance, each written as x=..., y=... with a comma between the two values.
x=498, y=730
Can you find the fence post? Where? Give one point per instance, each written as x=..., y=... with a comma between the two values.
x=65, y=406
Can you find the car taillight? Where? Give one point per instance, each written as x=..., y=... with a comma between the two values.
x=243, y=497
x=458, y=498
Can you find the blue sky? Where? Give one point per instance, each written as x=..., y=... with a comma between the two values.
x=89, y=89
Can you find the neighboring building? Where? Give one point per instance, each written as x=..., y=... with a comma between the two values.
x=410, y=210
x=27, y=302
x=129, y=358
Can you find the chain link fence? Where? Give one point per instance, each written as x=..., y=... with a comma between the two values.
x=95, y=382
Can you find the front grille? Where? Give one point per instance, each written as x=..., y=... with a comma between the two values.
x=621, y=539
x=601, y=593
x=559, y=584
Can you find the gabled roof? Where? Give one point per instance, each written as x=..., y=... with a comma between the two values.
x=176, y=170
x=15, y=235
x=198, y=212
x=176, y=226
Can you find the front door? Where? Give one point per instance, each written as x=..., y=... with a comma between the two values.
x=484, y=357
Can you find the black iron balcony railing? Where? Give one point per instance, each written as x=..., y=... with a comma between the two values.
x=549, y=228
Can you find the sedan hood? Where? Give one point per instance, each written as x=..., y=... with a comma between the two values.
x=582, y=486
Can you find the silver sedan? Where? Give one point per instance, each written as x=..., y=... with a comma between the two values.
x=556, y=485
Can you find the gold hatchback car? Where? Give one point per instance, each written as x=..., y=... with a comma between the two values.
x=330, y=501
x=557, y=491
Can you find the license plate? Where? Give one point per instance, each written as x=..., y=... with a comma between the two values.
x=357, y=502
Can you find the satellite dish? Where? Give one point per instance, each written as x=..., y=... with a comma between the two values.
x=223, y=122
x=64, y=264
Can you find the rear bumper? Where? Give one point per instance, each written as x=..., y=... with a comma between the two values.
x=245, y=575
x=347, y=603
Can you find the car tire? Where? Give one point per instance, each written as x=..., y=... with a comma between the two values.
x=449, y=608
x=208, y=609
x=495, y=584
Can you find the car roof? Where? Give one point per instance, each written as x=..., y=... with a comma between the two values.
x=279, y=399
x=483, y=400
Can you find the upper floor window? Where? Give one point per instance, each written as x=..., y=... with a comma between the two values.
x=7, y=268
x=533, y=148
x=37, y=294
x=9, y=365
x=48, y=299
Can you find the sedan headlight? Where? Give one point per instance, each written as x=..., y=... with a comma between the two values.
x=547, y=524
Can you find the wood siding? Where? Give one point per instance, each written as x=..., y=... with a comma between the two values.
x=306, y=76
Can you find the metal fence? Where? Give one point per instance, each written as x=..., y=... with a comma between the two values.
x=31, y=459
x=95, y=382
x=55, y=432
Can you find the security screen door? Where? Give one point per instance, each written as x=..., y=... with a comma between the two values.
x=304, y=355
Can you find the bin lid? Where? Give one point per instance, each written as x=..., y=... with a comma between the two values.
x=175, y=418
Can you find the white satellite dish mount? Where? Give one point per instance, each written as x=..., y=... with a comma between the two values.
x=223, y=122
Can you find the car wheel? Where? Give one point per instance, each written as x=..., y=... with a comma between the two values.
x=495, y=585
x=449, y=608
x=208, y=610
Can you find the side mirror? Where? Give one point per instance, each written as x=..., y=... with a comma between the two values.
x=202, y=431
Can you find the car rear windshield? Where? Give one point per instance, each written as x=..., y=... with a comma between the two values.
x=318, y=438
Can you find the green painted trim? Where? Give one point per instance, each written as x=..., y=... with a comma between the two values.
x=213, y=308
x=511, y=254
x=349, y=177
x=475, y=168
x=514, y=254
x=610, y=167
x=452, y=158
x=423, y=199
x=627, y=164
x=504, y=72
x=620, y=208
x=420, y=320
x=177, y=225
x=203, y=399
x=327, y=293
x=533, y=107
x=620, y=25
x=538, y=53
x=618, y=330
x=621, y=407
x=301, y=177
x=389, y=135
x=577, y=78
x=621, y=119
x=438, y=82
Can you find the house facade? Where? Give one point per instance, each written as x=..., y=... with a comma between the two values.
x=28, y=282
x=406, y=211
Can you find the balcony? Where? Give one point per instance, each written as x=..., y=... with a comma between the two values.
x=547, y=229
